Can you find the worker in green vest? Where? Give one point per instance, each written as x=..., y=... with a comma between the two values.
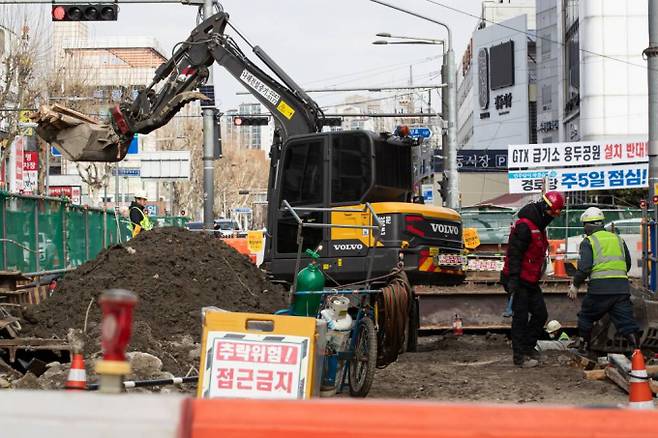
x=605, y=260
x=139, y=218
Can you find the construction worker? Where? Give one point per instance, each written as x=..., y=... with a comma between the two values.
x=605, y=260
x=554, y=333
x=139, y=219
x=523, y=268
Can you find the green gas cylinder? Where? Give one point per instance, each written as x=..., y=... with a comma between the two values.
x=310, y=278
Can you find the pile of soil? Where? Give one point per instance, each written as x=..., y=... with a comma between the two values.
x=175, y=273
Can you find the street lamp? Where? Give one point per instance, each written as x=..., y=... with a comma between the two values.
x=450, y=183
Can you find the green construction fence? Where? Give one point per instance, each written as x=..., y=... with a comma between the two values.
x=42, y=235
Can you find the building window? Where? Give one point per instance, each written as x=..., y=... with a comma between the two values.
x=547, y=140
x=546, y=43
x=546, y=97
x=571, y=57
x=2, y=42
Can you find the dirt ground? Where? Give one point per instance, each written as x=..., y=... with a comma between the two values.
x=478, y=368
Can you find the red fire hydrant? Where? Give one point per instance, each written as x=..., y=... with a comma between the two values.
x=457, y=325
x=117, y=307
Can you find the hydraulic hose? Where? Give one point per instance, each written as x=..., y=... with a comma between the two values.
x=395, y=302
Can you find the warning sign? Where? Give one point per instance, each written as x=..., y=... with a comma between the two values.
x=255, y=367
x=255, y=241
x=471, y=238
x=248, y=355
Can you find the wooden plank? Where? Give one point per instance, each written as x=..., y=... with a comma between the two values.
x=5, y=368
x=594, y=374
x=613, y=374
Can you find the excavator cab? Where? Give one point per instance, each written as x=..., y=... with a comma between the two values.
x=321, y=174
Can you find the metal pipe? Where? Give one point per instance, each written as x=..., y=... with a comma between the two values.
x=4, y=233
x=157, y=382
x=37, y=262
x=652, y=81
x=86, y=233
x=645, y=246
x=208, y=144
x=52, y=271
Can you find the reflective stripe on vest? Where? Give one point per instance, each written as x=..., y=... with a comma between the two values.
x=609, y=259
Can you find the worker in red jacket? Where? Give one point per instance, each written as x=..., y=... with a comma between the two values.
x=524, y=266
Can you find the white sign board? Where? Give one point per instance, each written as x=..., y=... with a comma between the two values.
x=167, y=165
x=255, y=366
x=576, y=154
x=627, y=176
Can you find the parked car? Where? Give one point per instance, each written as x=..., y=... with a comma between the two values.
x=625, y=226
x=223, y=228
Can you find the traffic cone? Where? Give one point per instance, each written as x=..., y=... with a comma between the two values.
x=640, y=396
x=77, y=375
x=559, y=270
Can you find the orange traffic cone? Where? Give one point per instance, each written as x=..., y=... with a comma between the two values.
x=77, y=375
x=640, y=396
x=558, y=265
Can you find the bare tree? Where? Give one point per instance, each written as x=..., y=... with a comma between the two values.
x=23, y=49
x=238, y=169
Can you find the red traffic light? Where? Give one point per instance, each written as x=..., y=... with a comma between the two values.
x=643, y=203
x=250, y=121
x=59, y=13
x=88, y=12
x=655, y=199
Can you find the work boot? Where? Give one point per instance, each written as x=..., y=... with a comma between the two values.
x=526, y=363
x=533, y=354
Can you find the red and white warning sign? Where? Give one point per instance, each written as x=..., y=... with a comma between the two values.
x=255, y=366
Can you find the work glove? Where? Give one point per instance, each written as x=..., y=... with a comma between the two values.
x=573, y=292
x=513, y=284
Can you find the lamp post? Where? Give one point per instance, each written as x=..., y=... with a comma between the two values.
x=450, y=183
x=415, y=40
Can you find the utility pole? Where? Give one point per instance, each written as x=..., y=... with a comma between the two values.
x=652, y=75
x=208, y=144
x=652, y=78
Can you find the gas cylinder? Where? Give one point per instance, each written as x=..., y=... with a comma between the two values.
x=309, y=279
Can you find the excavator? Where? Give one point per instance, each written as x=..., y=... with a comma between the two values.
x=356, y=182
x=310, y=170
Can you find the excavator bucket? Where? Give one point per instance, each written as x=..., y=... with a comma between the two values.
x=77, y=136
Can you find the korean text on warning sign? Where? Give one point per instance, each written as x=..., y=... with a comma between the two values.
x=256, y=369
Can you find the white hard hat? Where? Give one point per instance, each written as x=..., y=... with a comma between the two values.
x=553, y=326
x=592, y=214
x=141, y=194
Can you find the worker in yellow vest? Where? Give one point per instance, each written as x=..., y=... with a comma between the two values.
x=139, y=218
x=605, y=260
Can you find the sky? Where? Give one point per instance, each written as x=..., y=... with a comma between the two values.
x=319, y=43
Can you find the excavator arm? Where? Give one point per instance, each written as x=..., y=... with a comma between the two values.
x=175, y=84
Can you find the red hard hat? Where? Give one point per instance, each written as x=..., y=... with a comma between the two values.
x=555, y=201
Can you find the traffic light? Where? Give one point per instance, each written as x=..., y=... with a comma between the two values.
x=250, y=121
x=332, y=121
x=88, y=12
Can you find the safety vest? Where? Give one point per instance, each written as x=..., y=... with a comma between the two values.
x=145, y=223
x=533, y=258
x=609, y=257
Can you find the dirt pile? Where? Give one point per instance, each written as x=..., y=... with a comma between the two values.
x=175, y=273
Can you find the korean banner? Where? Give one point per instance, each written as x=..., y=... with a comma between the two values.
x=576, y=154
x=30, y=172
x=627, y=176
x=256, y=366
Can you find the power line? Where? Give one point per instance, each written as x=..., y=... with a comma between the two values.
x=589, y=52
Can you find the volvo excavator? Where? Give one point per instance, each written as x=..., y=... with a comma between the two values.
x=311, y=170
